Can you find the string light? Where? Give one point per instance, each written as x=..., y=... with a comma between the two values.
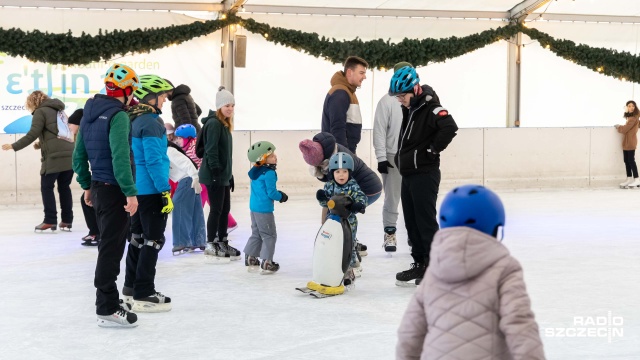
x=266, y=35
x=223, y=16
x=547, y=46
x=600, y=69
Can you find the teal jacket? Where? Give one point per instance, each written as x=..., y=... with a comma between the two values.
x=218, y=146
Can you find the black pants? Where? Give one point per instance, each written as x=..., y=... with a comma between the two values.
x=419, y=194
x=47, y=183
x=630, y=163
x=90, y=218
x=147, y=223
x=113, y=224
x=219, y=205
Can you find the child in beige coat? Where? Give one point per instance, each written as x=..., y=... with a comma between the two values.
x=472, y=302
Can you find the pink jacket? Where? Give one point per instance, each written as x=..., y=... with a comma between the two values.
x=472, y=304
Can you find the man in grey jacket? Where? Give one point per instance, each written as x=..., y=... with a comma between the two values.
x=386, y=128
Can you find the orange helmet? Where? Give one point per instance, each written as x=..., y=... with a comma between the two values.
x=122, y=76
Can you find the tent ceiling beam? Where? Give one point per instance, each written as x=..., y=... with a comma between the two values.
x=520, y=12
x=124, y=5
x=374, y=12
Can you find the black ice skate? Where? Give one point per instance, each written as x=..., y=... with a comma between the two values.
x=269, y=267
x=90, y=240
x=42, y=227
x=65, y=226
x=120, y=318
x=152, y=304
x=252, y=263
x=225, y=248
x=414, y=274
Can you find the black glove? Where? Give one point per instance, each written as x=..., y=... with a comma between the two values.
x=432, y=152
x=216, y=171
x=321, y=195
x=357, y=207
x=232, y=184
x=284, y=197
x=383, y=167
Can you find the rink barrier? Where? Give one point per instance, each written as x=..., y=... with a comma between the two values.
x=501, y=158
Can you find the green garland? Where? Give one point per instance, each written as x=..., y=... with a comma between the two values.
x=69, y=50
x=66, y=49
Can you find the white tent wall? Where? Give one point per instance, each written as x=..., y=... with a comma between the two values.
x=558, y=93
x=280, y=94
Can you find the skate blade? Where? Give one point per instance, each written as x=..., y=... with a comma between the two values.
x=110, y=324
x=405, y=283
x=145, y=307
x=41, y=231
x=90, y=243
x=179, y=252
x=234, y=258
x=217, y=259
x=305, y=290
x=253, y=268
x=267, y=272
x=318, y=295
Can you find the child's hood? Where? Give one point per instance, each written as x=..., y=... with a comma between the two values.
x=461, y=253
x=258, y=171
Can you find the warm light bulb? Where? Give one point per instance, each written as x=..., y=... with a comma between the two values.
x=547, y=47
x=266, y=35
x=223, y=16
x=382, y=69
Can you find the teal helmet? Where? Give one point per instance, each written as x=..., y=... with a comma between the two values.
x=403, y=81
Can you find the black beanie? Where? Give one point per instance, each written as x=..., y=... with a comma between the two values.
x=75, y=118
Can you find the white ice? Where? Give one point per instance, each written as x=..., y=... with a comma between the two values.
x=580, y=251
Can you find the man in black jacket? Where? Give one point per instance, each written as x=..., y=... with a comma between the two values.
x=427, y=129
x=184, y=109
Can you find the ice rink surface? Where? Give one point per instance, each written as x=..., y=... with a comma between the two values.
x=580, y=250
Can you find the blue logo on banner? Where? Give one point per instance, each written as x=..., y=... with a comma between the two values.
x=20, y=126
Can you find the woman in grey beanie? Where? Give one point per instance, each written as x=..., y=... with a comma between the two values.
x=216, y=174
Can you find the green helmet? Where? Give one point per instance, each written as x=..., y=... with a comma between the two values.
x=259, y=151
x=151, y=85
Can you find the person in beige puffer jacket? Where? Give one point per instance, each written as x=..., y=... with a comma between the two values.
x=472, y=302
x=629, y=144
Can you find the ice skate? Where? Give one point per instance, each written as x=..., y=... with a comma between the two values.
x=411, y=277
x=349, y=279
x=127, y=298
x=634, y=184
x=214, y=254
x=42, y=227
x=361, y=249
x=390, y=243
x=197, y=248
x=625, y=184
x=252, y=263
x=152, y=304
x=233, y=253
x=90, y=240
x=120, y=319
x=65, y=226
x=269, y=267
x=357, y=269
x=179, y=250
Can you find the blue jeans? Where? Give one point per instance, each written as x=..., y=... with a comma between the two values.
x=188, y=226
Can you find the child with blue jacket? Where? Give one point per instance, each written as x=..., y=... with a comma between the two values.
x=149, y=145
x=340, y=169
x=262, y=243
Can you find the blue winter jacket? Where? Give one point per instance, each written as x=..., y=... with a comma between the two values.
x=263, y=189
x=149, y=144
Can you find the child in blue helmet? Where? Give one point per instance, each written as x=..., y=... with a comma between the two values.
x=473, y=302
x=341, y=182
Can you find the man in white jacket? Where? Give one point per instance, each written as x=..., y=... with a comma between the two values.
x=386, y=128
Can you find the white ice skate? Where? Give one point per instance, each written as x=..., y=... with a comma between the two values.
x=634, y=184
x=625, y=184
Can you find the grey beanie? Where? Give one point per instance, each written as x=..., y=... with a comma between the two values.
x=224, y=97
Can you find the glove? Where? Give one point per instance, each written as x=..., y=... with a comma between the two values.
x=432, y=151
x=232, y=184
x=284, y=197
x=167, y=204
x=383, y=167
x=321, y=195
x=357, y=208
x=195, y=185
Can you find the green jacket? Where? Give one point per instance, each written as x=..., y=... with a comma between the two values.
x=55, y=154
x=218, y=147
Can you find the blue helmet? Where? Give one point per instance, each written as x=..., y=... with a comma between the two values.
x=341, y=160
x=186, y=131
x=403, y=81
x=474, y=206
